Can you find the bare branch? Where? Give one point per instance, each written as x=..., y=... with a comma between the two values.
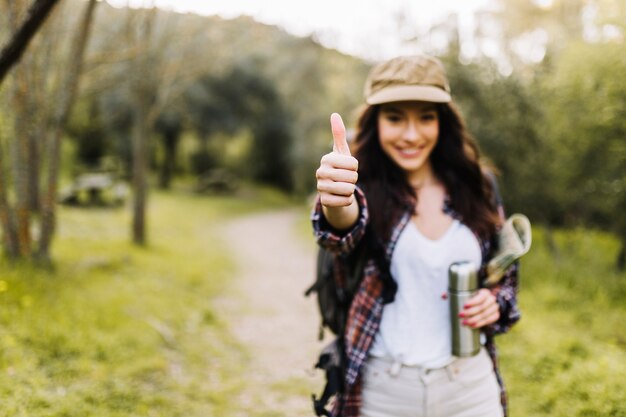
x=13, y=51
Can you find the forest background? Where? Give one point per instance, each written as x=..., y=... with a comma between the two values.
x=156, y=107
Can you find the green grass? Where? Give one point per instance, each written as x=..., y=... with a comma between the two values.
x=117, y=330
x=567, y=356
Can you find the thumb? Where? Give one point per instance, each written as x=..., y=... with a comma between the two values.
x=339, y=134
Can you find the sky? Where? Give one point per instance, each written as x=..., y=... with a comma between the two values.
x=366, y=28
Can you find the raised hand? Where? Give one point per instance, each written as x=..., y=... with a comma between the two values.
x=337, y=174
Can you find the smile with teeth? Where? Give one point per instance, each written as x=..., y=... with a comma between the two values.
x=410, y=152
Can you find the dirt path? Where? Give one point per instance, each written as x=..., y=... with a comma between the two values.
x=270, y=317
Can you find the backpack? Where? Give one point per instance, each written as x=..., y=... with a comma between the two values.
x=334, y=302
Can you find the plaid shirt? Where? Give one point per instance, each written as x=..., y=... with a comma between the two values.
x=367, y=306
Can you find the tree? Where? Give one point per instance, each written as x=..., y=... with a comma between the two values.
x=64, y=103
x=586, y=94
x=142, y=94
x=160, y=71
x=245, y=99
x=505, y=115
x=169, y=126
x=17, y=220
x=86, y=128
x=531, y=32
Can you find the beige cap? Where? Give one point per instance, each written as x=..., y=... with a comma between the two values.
x=406, y=78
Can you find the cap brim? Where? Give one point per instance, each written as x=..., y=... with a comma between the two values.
x=409, y=93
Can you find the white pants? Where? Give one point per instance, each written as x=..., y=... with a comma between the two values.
x=465, y=388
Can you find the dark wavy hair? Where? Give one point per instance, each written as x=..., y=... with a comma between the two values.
x=456, y=163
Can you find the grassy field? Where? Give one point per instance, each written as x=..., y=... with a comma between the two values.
x=567, y=356
x=117, y=330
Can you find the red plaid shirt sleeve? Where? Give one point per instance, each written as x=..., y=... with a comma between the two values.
x=342, y=242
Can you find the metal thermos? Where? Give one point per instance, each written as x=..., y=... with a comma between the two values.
x=462, y=285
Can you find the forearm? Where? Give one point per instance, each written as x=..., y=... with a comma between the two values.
x=342, y=218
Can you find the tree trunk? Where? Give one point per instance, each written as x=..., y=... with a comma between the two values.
x=7, y=217
x=19, y=163
x=170, y=145
x=140, y=167
x=34, y=165
x=621, y=257
x=64, y=105
x=13, y=51
x=142, y=95
x=36, y=128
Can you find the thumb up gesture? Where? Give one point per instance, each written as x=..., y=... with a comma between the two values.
x=337, y=174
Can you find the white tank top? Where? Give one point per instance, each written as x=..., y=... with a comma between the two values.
x=415, y=328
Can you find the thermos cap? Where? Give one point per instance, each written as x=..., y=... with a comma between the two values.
x=462, y=276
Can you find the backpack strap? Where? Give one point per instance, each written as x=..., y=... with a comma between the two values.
x=333, y=381
x=330, y=361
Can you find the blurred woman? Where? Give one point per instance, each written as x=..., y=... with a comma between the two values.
x=413, y=182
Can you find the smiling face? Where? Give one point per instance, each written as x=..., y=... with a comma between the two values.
x=408, y=132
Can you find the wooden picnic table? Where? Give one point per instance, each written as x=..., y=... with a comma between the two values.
x=91, y=188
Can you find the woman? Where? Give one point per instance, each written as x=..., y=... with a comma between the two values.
x=416, y=183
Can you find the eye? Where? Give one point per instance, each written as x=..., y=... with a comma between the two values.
x=392, y=117
x=429, y=116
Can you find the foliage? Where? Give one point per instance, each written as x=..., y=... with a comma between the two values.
x=556, y=138
x=170, y=127
x=505, y=118
x=300, y=82
x=587, y=110
x=87, y=129
x=243, y=99
x=567, y=356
